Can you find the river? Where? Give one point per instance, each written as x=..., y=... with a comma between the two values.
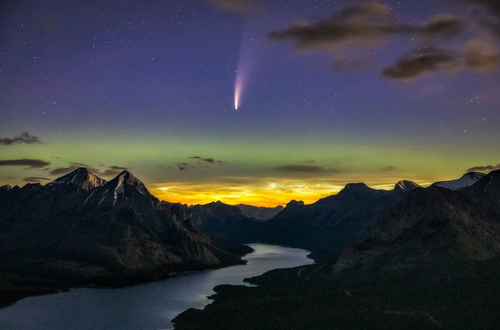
x=149, y=306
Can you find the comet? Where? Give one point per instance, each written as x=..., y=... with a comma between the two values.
x=239, y=82
x=238, y=85
x=247, y=62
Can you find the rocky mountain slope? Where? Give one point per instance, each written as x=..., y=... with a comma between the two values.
x=81, y=230
x=435, y=233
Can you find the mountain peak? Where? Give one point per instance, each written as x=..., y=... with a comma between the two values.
x=467, y=180
x=355, y=188
x=80, y=177
x=124, y=179
x=405, y=185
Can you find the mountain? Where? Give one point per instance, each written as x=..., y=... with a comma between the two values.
x=80, y=177
x=326, y=226
x=229, y=222
x=260, y=213
x=467, y=180
x=80, y=230
x=435, y=234
x=426, y=258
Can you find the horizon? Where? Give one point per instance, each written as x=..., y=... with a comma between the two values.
x=250, y=102
x=207, y=199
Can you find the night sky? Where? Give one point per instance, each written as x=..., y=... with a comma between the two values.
x=327, y=93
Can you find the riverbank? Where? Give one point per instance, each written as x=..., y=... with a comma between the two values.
x=284, y=300
x=150, y=305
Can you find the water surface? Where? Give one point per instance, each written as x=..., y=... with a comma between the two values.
x=146, y=306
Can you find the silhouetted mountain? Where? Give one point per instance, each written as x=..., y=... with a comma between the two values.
x=80, y=230
x=260, y=213
x=221, y=220
x=332, y=222
x=434, y=234
x=429, y=259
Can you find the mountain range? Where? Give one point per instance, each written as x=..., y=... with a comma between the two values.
x=410, y=258
x=80, y=230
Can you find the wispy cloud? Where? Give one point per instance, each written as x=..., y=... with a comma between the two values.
x=185, y=166
x=306, y=169
x=31, y=163
x=207, y=160
x=23, y=138
x=389, y=168
x=35, y=179
x=484, y=168
x=108, y=171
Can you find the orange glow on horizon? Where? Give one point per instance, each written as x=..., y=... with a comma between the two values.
x=261, y=192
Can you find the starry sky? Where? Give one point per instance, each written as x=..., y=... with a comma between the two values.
x=255, y=102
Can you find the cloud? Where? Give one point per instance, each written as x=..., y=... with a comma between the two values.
x=113, y=171
x=476, y=55
x=185, y=166
x=64, y=170
x=368, y=23
x=389, y=168
x=371, y=24
x=240, y=6
x=109, y=171
x=31, y=163
x=207, y=160
x=34, y=179
x=358, y=23
x=23, y=138
x=419, y=62
x=304, y=169
x=479, y=55
x=484, y=168
x=492, y=5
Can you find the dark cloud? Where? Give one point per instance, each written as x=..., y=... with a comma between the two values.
x=35, y=179
x=23, y=138
x=207, y=160
x=389, y=168
x=367, y=23
x=357, y=23
x=109, y=171
x=240, y=6
x=484, y=168
x=185, y=166
x=479, y=55
x=419, y=62
x=304, y=169
x=443, y=25
x=476, y=55
x=31, y=163
x=371, y=24
x=113, y=171
x=491, y=5
x=64, y=170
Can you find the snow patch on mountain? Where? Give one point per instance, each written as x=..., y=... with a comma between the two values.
x=466, y=180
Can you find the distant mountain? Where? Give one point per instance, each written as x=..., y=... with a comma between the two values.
x=466, y=180
x=327, y=225
x=81, y=230
x=434, y=234
x=260, y=213
x=229, y=222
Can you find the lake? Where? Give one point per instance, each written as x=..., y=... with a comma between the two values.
x=149, y=306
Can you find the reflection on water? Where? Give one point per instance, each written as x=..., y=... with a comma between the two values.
x=144, y=306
